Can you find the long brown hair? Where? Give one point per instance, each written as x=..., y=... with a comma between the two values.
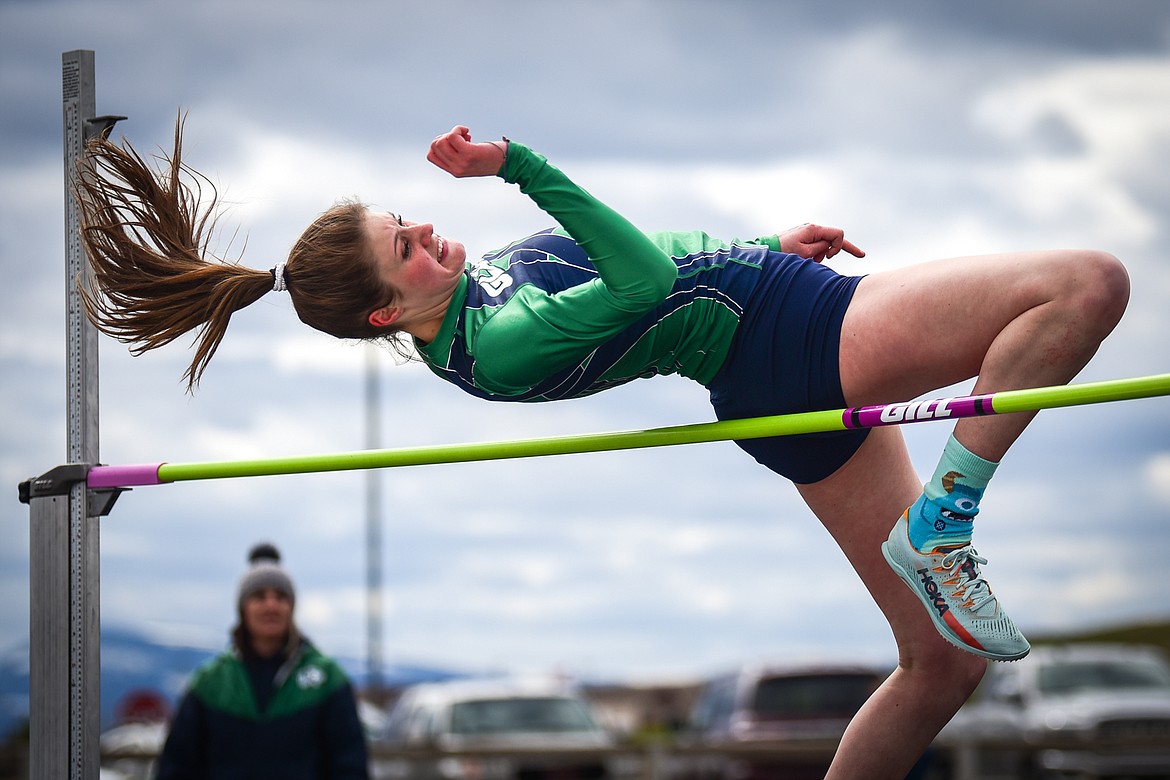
x=147, y=232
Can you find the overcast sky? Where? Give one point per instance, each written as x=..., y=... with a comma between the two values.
x=926, y=129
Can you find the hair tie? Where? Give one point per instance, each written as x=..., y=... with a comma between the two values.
x=279, y=283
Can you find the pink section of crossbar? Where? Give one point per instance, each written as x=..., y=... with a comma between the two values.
x=123, y=476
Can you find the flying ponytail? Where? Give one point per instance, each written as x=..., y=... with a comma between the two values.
x=146, y=234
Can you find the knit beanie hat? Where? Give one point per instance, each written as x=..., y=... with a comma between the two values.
x=264, y=571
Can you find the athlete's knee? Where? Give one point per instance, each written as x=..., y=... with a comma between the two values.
x=1101, y=291
x=940, y=662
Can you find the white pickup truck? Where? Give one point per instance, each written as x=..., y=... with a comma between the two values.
x=1073, y=711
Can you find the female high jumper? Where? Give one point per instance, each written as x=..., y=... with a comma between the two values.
x=594, y=302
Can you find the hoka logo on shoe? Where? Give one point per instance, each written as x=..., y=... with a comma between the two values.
x=930, y=588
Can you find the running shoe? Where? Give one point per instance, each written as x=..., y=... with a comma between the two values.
x=956, y=596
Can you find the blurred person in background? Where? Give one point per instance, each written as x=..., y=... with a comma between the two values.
x=271, y=705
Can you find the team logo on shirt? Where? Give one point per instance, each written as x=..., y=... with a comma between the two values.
x=493, y=279
x=310, y=677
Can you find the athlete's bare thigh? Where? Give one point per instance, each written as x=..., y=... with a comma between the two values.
x=919, y=328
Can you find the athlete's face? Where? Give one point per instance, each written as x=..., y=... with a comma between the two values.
x=421, y=266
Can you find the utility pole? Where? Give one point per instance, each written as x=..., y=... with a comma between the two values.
x=373, y=386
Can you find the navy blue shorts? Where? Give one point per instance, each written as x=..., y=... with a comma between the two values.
x=784, y=359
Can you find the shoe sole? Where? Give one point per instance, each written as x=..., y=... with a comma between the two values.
x=941, y=626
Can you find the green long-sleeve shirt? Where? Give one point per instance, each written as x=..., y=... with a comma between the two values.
x=596, y=302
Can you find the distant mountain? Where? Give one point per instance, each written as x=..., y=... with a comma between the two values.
x=131, y=662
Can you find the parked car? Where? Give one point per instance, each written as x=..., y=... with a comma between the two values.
x=494, y=730
x=772, y=722
x=1074, y=711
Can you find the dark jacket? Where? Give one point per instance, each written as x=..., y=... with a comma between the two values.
x=233, y=725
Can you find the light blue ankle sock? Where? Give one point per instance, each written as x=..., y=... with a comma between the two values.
x=943, y=515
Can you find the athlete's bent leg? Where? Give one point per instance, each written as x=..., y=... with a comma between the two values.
x=933, y=679
x=1017, y=320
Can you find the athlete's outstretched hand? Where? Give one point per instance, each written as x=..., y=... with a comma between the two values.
x=817, y=242
x=457, y=155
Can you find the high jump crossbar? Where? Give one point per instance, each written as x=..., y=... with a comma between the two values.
x=1004, y=402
